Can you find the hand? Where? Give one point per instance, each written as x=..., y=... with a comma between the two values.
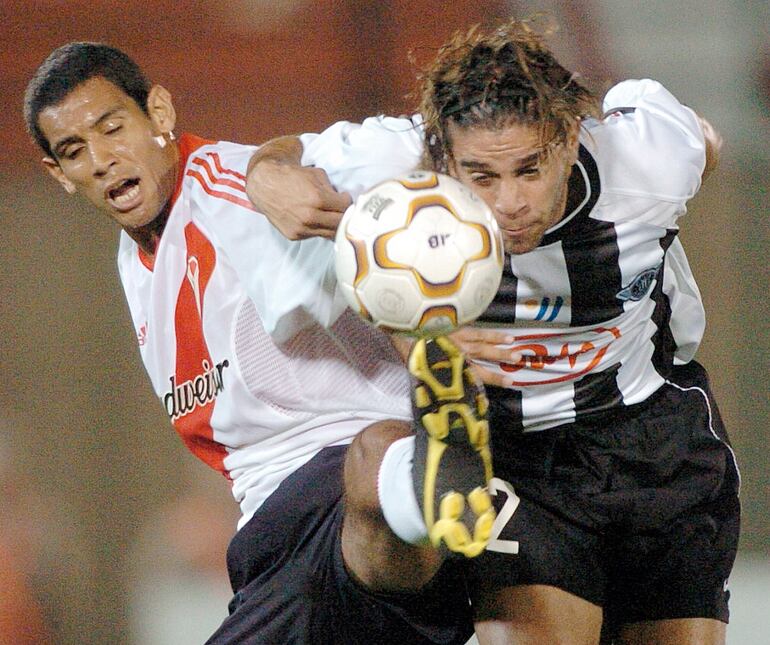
x=299, y=201
x=482, y=343
x=714, y=143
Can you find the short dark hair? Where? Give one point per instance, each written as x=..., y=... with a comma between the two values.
x=491, y=79
x=70, y=65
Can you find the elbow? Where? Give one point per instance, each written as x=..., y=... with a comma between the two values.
x=714, y=143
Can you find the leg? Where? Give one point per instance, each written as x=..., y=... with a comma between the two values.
x=450, y=464
x=670, y=583
x=681, y=631
x=286, y=565
x=535, y=614
x=372, y=552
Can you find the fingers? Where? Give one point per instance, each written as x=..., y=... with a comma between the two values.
x=488, y=377
x=331, y=200
x=313, y=222
x=323, y=216
x=299, y=201
x=491, y=345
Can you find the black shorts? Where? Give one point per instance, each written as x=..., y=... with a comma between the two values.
x=291, y=585
x=636, y=512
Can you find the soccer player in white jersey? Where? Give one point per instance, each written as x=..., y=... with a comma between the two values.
x=618, y=492
x=271, y=380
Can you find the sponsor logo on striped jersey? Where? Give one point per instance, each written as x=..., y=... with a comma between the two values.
x=553, y=358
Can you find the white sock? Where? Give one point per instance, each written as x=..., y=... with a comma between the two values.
x=396, y=492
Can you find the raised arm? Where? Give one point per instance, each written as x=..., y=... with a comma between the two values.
x=304, y=184
x=299, y=201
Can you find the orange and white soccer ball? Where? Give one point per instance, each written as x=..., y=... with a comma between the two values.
x=420, y=253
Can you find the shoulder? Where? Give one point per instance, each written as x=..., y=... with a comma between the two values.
x=647, y=142
x=215, y=175
x=395, y=142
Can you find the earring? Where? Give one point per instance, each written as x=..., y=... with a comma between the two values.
x=163, y=139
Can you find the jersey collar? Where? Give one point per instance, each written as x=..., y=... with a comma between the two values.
x=188, y=144
x=583, y=190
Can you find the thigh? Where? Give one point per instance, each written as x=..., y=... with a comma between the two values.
x=680, y=571
x=541, y=535
x=535, y=614
x=686, y=631
x=292, y=586
x=672, y=556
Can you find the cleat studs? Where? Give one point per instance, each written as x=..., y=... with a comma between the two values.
x=482, y=405
x=482, y=530
x=479, y=501
x=421, y=397
x=451, y=506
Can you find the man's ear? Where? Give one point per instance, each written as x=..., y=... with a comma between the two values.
x=161, y=109
x=54, y=169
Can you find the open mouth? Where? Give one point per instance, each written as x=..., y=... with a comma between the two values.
x=124, y=195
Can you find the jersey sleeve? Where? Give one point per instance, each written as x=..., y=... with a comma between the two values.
x=357, y=156
x=291, y=283
x=657, y=144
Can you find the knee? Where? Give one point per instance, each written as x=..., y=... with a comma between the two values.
x=363, y=459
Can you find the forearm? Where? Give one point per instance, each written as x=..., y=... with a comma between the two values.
x=285, y=150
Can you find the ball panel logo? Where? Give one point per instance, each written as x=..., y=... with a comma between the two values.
x=184, y=397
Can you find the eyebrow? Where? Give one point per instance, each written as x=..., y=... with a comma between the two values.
x=60, y=145
x=521, y=163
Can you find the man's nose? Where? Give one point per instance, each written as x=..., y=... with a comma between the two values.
x=509, y=199
x=102, y=157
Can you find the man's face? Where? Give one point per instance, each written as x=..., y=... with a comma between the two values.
x=108, y=149
x=526, y=190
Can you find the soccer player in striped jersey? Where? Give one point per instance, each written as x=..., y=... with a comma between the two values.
x=617, y=490
x=271, y=380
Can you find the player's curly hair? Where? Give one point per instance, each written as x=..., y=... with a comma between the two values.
x=72, y=64
x=495, y=78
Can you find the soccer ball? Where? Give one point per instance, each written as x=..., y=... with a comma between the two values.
x=419, y=253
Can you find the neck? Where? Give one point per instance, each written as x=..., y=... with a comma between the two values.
x=148, y=236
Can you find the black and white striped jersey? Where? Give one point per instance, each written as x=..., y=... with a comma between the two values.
x=607, y=303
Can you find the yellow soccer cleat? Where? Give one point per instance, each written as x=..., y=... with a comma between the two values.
x=453, y=461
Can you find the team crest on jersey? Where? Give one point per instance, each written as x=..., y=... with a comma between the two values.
x=639, y=286
x=184, y=397
x=141, y=335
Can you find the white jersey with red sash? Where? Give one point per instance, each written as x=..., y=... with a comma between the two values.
x=247, y=342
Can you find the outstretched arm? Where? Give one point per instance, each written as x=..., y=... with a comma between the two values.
x=299, y=201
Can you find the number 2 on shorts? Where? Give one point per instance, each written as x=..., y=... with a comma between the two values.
x=497, y=485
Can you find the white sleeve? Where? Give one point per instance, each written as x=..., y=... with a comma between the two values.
x=292, y=283
x=357, y=156
x=658, y=141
